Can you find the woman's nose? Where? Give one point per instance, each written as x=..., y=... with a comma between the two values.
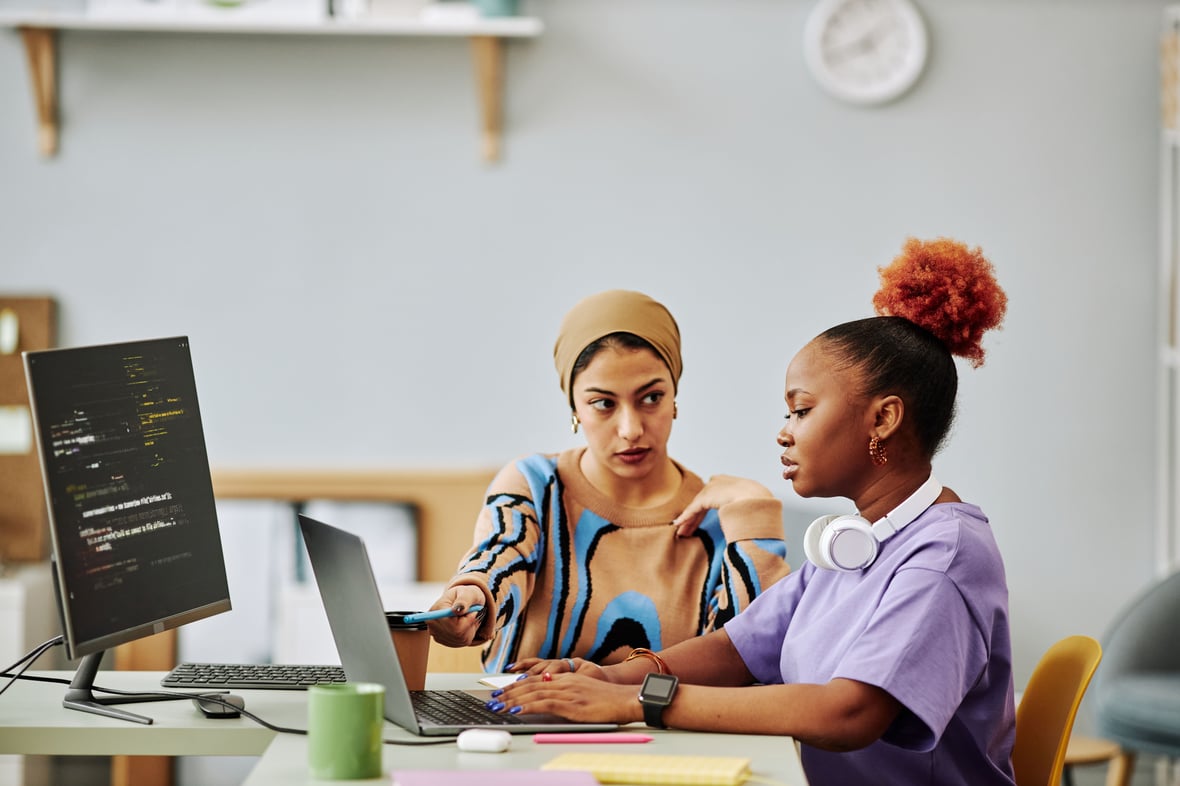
x=630, y=423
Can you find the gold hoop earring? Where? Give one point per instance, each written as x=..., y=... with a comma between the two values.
x=877, y=452
x=675, y=412
x=574, y=422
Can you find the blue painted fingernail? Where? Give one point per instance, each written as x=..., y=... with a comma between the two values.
x=521, y=677
x=509, y=667
x=497, y=706
x=514, y=711
x=497, y=692
x=490, y=703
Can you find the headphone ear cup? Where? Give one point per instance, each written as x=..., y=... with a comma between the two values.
x=811, y=542
x=848, y=543
x=839, y=542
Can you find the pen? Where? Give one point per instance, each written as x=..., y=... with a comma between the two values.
x=590, y=736
x=437, y=614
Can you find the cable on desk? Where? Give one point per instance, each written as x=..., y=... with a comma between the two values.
x=27, y=660
x=267, y=724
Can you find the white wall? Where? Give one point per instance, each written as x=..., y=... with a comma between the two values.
x=361, y=291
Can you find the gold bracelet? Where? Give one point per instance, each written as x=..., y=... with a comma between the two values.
x=644, y=652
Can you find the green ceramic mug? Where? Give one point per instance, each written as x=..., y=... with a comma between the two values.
x=344, y=726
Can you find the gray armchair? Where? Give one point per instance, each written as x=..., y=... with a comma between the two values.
x=1137, y=689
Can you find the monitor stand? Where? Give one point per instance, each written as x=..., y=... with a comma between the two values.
x=80, y=695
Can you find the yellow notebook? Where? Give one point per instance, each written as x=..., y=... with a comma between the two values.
x=656, y=769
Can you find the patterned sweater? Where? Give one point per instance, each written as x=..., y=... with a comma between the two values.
x=568, y=572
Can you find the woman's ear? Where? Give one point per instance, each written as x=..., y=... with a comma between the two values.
x=888, y=414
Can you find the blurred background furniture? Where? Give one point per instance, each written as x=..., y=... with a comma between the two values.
x=1045, y=714
x=1085, y=751
x=27, y=618
x=1137, y=691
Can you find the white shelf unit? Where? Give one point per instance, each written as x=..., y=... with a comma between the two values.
x=487, y=36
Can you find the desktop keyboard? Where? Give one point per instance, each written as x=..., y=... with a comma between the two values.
x=253, y=676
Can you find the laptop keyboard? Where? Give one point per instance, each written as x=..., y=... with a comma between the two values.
x=253, y=676
x=457, y=708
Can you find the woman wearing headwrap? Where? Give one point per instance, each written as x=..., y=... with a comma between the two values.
x=574, y=555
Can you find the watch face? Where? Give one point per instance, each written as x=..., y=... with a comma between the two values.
x=658, y=688
x=865, y=51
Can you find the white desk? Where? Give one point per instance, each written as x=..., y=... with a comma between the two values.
x=33, y=721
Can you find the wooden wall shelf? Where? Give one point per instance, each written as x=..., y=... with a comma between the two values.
x=38, y=31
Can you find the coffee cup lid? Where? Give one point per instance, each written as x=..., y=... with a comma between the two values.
x=397, y=619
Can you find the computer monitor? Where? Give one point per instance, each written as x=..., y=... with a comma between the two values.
x=136, y=546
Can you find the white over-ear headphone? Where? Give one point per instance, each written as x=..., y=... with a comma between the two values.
x=850, y=543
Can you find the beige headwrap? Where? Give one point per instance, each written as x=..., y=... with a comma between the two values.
x=615, y=311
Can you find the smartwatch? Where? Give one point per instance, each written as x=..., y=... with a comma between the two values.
x=655, y=695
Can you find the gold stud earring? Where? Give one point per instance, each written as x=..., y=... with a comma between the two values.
x=574, y=422
x=877, y=452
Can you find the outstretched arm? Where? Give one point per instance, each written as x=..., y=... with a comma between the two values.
x=841, y=715
x=501, y=562
x=715, y=695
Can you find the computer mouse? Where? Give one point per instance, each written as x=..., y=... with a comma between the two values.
x=215, y=709
x=484, y=740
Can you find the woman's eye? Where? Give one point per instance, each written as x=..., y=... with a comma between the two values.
x=653, y=398
x=798, y=414
x=602, y=404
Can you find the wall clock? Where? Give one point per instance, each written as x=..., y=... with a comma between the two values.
x=865, y=51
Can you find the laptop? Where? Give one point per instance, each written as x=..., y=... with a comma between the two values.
x=356, y=616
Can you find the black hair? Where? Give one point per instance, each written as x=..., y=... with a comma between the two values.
x=895, y=356
x=619, y=340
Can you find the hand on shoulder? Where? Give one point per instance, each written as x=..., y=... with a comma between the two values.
x=718, y=492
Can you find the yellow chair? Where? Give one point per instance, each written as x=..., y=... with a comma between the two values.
x=1045, y=715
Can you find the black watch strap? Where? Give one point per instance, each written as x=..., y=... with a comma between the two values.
x=653, y=714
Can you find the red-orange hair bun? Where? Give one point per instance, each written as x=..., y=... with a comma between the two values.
x=948, y=289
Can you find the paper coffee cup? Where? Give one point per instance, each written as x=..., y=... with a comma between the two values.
x=412, y=642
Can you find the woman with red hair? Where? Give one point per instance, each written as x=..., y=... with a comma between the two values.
x=887, y=655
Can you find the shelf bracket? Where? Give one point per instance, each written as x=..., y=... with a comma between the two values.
x=487, y=49
x=488, y=54
x=41, y=51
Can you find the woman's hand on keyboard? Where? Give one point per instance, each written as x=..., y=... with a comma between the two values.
x=539, y=666
x=577, y=697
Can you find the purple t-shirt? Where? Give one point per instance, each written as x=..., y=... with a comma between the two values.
x=927, y=622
